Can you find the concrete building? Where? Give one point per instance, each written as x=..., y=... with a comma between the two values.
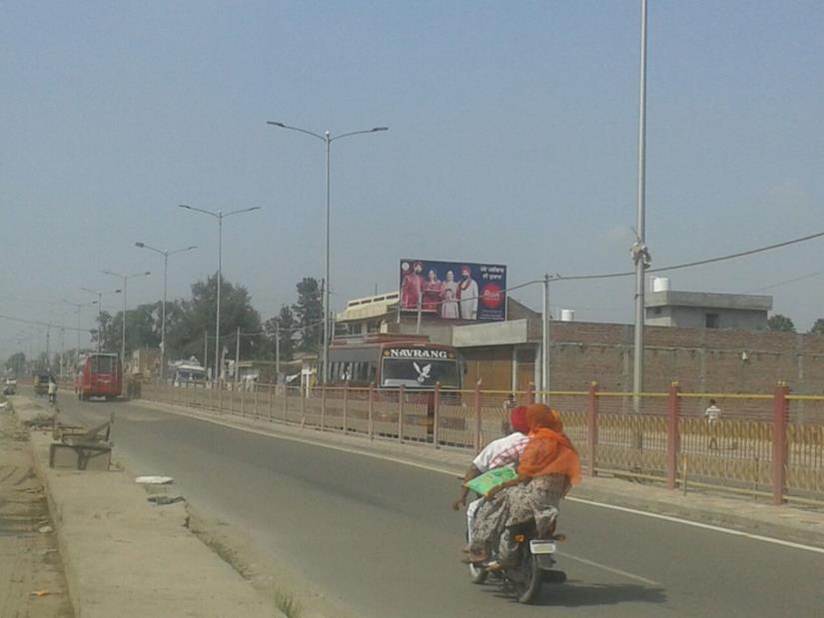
x=665, y=307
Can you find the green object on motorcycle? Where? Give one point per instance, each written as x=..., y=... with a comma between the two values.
x=486, y=481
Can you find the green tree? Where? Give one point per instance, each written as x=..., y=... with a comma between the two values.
x=818, y=327
x=143, y=326
x=188, y=320
x=309, y=314
x=17, y=363
x=283, y=327
x=106, y=332
x=781, y=323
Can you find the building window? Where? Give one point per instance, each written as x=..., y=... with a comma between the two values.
x=711, y=320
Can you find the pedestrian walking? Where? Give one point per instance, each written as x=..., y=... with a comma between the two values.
x=713, y=416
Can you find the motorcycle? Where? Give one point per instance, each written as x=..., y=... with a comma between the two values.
x=530, y=563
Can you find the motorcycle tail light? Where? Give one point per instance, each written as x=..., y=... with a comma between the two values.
x=520, y=538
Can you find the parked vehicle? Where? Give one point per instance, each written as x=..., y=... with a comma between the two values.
x=189, y=374
x=10, y=387
x=41, y=384
x=528, y=569
x=100, y=375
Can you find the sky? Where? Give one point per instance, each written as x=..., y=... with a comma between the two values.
x=513, y=139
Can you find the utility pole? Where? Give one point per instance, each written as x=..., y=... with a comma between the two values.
x=277, y=351
x=206, y=351
x=640, y=253
x=237, y=359
x=545, y=343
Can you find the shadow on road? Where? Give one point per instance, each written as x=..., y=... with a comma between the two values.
x=572, y=594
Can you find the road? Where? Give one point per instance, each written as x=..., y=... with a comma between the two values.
x=381, y=536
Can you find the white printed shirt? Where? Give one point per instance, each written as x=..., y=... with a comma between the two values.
x=500, y=452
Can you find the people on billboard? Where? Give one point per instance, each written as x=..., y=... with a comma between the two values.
x=412, y=286
x=432, y=293
x=468, y=295
x=449, y=304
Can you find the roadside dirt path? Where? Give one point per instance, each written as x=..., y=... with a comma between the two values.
x=29, y=559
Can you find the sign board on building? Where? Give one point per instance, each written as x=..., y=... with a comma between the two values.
x=453, y=290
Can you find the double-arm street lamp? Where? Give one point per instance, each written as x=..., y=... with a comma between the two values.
x=220, y=216
x=327, y=138
x=99, y=303
x=165, y=255
x=79, y=308
x=125, y=284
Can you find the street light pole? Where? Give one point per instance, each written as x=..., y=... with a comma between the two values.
x=99, y=302
x=165, y=253
x=125, y=289
x=327, y=138
x=219, y=215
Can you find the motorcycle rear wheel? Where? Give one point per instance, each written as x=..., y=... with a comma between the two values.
x=526, y=579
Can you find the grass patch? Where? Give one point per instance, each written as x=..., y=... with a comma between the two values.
x=287, y=604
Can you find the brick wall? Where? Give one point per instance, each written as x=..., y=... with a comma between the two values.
x=700, y=359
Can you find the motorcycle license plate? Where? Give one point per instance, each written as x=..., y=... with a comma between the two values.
x=541, y=547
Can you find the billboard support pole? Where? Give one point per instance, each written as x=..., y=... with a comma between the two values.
x=418, y=323
x=545, y=344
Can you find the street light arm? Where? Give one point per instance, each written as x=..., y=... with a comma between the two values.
x=143, y=245
x=241, y=211
x=286, y=126
x=342, y=135
x=205, y=212
x=180, y=250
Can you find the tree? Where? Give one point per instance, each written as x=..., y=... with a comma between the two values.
x=309, y=313
x=188, y=320
x=16, y=363
x=105, y=333
x=818, y=327
x=283, y=327
x=781, y=323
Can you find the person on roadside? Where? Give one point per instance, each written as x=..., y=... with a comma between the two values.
x=548, y=468
x=52, y=390
x=498, y=453
x=713, y=416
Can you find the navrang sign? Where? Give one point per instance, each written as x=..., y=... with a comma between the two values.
x=417, y=353
x=453, y=290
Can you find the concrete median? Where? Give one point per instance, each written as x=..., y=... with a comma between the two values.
x=124, y=557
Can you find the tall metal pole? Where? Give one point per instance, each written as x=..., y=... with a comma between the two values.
x=237, y=359
x=123, y=335
x=640, y=253
x=545, y=342
x=99, y=320
x=277, y=351
x=328, y=137
x=163, y=319
x=206, y=350
x=219, y=282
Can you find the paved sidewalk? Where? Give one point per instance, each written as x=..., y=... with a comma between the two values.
x=126, y=558
x=789, y=523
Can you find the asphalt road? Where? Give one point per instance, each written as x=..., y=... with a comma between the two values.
x=381, y=535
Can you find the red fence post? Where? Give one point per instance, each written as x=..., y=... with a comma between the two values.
x=345, y=407
x=370, y=425
x=436, y=405
x=476, y=442
x=779, y=445
x=592, y=427
x=401, y=397
x=673, y=437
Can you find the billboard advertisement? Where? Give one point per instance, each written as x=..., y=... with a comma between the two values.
x=453, y=290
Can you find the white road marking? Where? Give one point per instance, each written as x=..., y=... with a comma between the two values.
x=610, y=569
x=696, y=524
x=453, y=473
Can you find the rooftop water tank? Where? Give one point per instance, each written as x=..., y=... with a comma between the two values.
x=661, y=284
x=567, y=315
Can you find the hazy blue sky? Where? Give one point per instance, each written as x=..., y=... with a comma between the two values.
x=513, y=140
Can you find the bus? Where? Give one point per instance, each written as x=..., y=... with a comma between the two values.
x=388, y=361
x=99, y=375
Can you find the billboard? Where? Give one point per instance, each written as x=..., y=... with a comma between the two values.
x=453, y=290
